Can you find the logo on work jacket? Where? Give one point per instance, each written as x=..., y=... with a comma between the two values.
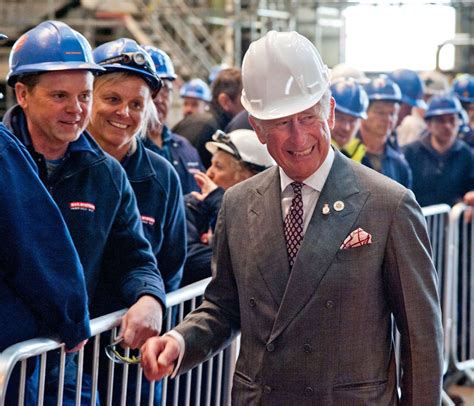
x=148, y=220
x=82, y=206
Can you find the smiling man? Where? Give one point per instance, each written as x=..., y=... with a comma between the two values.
x=334, y=251
x=51, y=70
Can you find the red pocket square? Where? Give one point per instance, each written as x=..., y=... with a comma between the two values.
x=356, y=239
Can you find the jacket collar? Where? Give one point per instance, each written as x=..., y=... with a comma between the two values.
x=15, y=120
x=138, y=165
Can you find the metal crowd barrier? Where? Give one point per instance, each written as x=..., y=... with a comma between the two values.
x=452, y=240
x=215, y=374
x=461, y=260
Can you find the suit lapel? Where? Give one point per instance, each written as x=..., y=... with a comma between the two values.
x=322, y=240
x=266, y=228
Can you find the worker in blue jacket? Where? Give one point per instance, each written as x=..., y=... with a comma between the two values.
x=122, y=100
x=371, y=145
x=44, y=291
x=51, y=70
x=160, y=139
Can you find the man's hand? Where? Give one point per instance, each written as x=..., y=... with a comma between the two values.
x=142, y=321
x=159, y=355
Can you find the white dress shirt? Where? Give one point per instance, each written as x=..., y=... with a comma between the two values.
x=310, y=191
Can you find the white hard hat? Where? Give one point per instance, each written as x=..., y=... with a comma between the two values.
x=244, y=145
x=435, y=82
x=344, y=71
x=282, y=74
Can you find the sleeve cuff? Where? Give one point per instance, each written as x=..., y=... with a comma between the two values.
x=182, y=346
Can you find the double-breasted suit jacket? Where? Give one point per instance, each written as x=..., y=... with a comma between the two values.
x=322, y=333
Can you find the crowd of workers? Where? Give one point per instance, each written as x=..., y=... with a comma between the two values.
x=107, y=206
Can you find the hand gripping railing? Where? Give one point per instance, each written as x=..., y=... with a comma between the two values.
x=20, y=352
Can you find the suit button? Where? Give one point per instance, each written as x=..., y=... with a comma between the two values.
x=270, y=347
x=329, y=304
x=267, y=389
x=252, y=302
x=308, y=391
x=307, y=348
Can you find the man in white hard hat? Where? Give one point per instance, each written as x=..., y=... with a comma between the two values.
x=334, y=250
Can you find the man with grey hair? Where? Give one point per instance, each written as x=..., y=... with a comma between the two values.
x=335, y=251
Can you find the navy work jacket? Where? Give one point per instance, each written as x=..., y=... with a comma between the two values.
x=160, y=202
x=184, y=157
x=42, y=286
x=100, y=209
x=440, y=178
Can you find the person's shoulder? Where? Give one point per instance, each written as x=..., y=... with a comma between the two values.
x=373, y=181
x=258, y=183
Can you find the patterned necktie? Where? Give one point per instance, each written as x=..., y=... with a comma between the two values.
x=294, y=223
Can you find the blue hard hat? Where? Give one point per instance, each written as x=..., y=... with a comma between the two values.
x=350, y=97
x=125, y=55
x=444, y=104
x=411, y=86
x=3, y=36
x=197, y=89
x=463, y=88
x=50, y=46
x=382, y=88
x=164, y=66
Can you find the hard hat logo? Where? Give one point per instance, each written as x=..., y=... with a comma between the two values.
x=282, y=74
x=50, y=46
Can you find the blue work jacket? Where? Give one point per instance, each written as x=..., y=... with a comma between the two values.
x=440, y=178
x=160, y=202
x=42, y=287
x=184, y=157
x=100, y=209
x=200, y=217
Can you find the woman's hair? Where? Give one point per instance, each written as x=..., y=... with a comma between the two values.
x=118, y=78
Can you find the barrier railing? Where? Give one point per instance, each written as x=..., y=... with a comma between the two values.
x=218, y=381
x=452, y=240
x=461, y=254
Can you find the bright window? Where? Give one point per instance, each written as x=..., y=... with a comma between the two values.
x=385, y=38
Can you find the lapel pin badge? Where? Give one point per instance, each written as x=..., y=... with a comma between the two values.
x=326, y=208
x=338, y=206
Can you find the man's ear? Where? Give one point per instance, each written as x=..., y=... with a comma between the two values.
x=258, y=129
x=21, y=92
x=331, y=118
x=224, y=101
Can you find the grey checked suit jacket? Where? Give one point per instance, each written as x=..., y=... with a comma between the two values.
x=322, y=335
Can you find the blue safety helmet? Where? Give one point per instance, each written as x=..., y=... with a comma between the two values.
x=50, y=46
x=463, y=88
x=197, y=89
x=411, y=86
x=125, y=55
x=444, y=104
x=382, y=88
x=164, y=66
x=350, y=97
x=3, y=36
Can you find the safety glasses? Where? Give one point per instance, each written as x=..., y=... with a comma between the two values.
x=114, y=355
x=222, y=137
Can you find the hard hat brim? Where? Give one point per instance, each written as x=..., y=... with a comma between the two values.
x=53, y=67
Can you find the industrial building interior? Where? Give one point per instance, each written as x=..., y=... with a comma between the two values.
x=200, y=34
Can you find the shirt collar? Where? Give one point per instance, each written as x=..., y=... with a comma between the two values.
x=317, y=180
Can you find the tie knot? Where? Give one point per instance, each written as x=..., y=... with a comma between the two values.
x=297, y=186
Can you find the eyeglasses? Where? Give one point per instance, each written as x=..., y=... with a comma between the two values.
x=118, y=358
x=222, y=137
